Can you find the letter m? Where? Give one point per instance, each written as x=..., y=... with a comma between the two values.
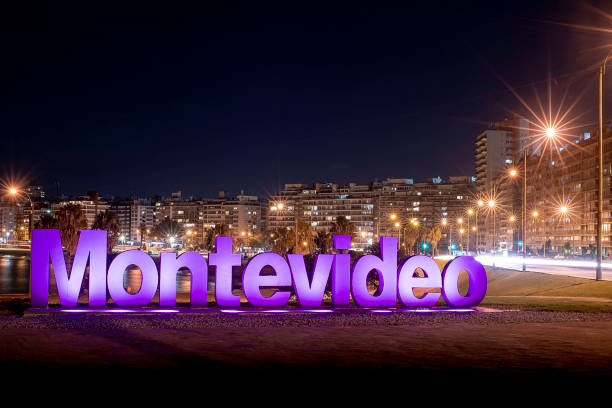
x=46, y=243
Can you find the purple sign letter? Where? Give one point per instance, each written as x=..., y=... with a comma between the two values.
x=387, y=275
x=252, y=281
x=341, y=275
x=170, y=265
x=477, y=282
x=47, y=243
x=310, y=294
x=406, y=281
x=224, y=259
x=148, y=286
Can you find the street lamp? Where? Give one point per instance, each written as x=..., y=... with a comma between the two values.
x=14, y=192
x=602, y=71
x=491, y=205
x=513, y=173
x=470, y=212
x=480, y=204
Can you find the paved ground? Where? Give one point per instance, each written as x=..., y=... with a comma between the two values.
x=309, y=349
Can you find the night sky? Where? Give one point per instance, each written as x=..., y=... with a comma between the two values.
x=153, y=100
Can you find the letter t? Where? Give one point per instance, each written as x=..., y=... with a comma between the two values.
x=224, y=259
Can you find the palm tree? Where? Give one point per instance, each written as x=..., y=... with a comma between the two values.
x=305, y=234
x=70, y=220
x=46, y=222
x=219, y=230
x=168, y=229
x=342, y=226
x=323, y=241
x=143, y=230
x=282, y=240
x=433, y=236
x=411, y=236
x=95, y=197
x=109, y=222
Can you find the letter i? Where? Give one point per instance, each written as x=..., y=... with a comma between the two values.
x=341, y=273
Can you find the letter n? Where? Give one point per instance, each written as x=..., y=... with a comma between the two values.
x=46, y=243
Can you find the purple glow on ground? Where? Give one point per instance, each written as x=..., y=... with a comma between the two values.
x=256, y=311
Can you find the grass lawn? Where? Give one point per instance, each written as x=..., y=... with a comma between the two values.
x=541, y=291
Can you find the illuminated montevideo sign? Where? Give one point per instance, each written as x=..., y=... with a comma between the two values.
x=289, y=272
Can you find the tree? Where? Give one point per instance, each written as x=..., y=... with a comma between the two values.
x=143, y=230
x=219, y=230
x=323, y=241
x=411, y=236
x=282, y=240
x=342, y=226
x=70, y=220
x=305, y=236
x=109, y=222
x=168, y=229
x=433, y=236
x=46, y=222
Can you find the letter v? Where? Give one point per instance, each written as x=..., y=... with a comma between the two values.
x=310, y=294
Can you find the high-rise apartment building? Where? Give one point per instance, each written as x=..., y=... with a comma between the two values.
x=136, y=218
x=387, y=208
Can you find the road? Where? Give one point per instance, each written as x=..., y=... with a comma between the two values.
x=578, y=269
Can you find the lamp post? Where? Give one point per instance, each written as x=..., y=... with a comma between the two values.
x=535, y=215
x=444, y=223
x=480, y=205
x=14, y=192
x=470, y=212
x=491, y=205
x=460, y=221
x=514, y=173
x=602, y=71
x=563, y=210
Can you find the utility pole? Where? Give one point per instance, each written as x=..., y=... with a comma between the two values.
x=468, y=235
x=600, y=192
x=523, y=217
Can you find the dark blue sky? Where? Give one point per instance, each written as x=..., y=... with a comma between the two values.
x=154, y=100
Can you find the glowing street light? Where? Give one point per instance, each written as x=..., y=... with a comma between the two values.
x=512, y=218
x=563, y=209
x=491, y=203
x=15, y=192
x=393, y=216
x=535, y=213
x=551, y=132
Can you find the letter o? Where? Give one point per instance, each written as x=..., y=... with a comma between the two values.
x=149, y=278
x=477, y=276
x=406, y=281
